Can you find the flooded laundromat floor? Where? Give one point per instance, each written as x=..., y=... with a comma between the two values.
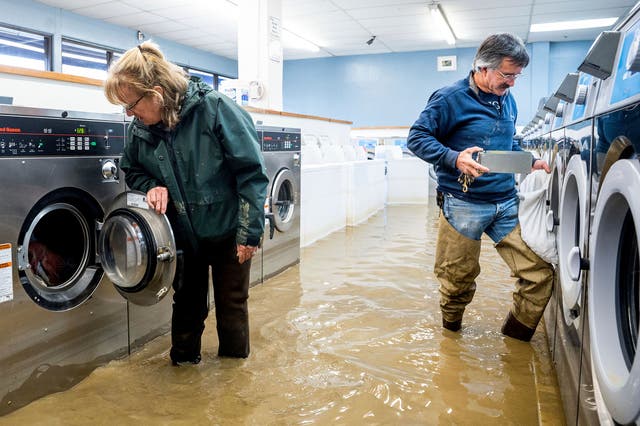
x=352, y=335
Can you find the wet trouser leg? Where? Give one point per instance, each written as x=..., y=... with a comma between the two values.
x=533, y=286
x=456, y=268
x=231, y=292
x=190, y=308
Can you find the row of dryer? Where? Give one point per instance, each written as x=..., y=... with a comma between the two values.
x=589, y=129
x=85, y=267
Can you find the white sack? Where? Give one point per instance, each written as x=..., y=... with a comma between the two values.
x=532, y=216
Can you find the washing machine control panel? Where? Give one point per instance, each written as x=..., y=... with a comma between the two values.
x=279, y=138
x=22, y=136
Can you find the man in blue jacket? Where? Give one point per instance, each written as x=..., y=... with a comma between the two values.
x=478, y=113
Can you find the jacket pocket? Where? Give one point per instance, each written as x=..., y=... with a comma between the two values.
x=213, y=214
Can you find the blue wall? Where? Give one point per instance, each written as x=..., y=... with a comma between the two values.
x=564, y=58
x=392, y=89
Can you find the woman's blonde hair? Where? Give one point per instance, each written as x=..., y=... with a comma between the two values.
x=139, y=70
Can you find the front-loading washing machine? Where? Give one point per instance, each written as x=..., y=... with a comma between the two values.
x=559, y=147
x=281, y=242
x=66, y=223
x=572, y=242
x=598, y=290
x=614, y=278
x=569, y=299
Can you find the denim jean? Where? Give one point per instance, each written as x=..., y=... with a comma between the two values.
x=471, y=219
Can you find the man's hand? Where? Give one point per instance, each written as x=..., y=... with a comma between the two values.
x=157, y=198
x=245, y=252
x=467, y=165
x=541, y=165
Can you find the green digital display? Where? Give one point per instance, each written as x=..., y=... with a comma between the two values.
x=80, y=130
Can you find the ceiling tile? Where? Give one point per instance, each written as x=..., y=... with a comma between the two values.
x=149, y=5
x=385, y=11
x=107, y=10
x=136, y=19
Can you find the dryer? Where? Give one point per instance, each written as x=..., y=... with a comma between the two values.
x=65, y=224
x=281, y=242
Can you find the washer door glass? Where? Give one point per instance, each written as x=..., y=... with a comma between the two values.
x=125, y=255
x=283, y=193
x=56, y=267
x=138, y=254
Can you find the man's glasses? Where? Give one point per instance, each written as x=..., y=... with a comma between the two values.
x=510, y=77
x=133, y=105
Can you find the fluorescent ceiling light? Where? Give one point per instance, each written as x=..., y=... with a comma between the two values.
x=573, y=25
x=294, y=41
x=442, y=23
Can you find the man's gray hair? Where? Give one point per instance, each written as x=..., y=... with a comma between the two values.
x=497, y=47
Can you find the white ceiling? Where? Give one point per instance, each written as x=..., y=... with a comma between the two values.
x=342, y=27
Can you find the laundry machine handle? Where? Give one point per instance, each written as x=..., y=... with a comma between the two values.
x=272, y=224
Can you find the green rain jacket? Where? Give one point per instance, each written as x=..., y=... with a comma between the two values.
x=210, y=163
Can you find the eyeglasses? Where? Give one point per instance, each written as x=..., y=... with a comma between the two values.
x=133, y=105
x=510, y=77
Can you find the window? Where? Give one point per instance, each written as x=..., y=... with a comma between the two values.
x=210, y=78
x=113, y=56
x=87, y=60
x=206, y=77
x=23, y=49
x=84, y=60
x=220, y=80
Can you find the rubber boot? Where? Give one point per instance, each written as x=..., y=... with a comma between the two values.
x=533, y=286
x=514, y=328
x=456, y=268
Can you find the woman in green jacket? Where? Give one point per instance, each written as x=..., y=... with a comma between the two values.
x=196, y=155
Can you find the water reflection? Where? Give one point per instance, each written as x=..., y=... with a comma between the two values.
x=350, y=336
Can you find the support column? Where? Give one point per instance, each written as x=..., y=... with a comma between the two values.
x=260, y=51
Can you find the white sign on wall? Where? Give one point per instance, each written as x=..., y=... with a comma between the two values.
x=275, y=43
x=447, y=63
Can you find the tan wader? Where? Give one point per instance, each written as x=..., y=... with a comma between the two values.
x=533, y=286
x=457, y=266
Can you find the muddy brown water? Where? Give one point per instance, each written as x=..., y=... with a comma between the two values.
x=351, y=335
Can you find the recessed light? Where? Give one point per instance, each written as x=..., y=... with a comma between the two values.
x=573, y=25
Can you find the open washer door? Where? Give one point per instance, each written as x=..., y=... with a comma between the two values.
x=137, y=250
x=614, y=291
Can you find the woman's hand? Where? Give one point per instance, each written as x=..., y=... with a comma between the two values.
x=245, y=252
x=157, y=198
